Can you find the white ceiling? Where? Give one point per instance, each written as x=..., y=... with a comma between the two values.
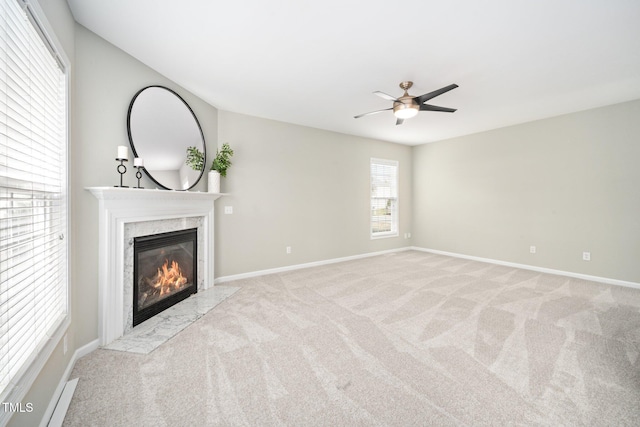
x=317, y=63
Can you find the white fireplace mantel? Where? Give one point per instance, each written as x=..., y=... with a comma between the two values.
x=120, y=206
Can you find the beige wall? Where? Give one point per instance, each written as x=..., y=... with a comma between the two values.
x=567, y=184
x=296, y=186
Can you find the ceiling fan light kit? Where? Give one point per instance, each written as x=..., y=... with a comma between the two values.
x=408, y=106
x=404, y=111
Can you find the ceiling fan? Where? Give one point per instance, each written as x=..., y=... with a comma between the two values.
x=408, y=106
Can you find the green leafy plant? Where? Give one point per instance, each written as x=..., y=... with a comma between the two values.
x=222, y=161
x=195, y=159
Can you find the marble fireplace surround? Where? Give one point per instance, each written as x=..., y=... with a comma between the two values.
x=125, y=213
x=149, y=228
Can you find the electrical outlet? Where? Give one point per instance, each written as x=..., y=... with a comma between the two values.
x=532, y=249
x=288, y=249
x=65, y=344
x=408, y=235
x=228, y=210
x=586, y=256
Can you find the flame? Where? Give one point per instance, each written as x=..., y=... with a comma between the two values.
x=169, y=278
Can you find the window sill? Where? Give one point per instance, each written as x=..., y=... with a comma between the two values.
x=384, y=235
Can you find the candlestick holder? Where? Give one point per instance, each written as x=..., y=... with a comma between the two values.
x=122, y=169
x=138, y=175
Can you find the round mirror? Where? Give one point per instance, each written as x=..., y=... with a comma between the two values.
x=166, y=135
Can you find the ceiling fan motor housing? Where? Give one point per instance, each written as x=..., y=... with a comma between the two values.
x=405, y=107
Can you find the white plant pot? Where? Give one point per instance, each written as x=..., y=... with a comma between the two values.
x=213, y=184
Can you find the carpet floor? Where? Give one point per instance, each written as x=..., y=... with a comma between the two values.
x=403, y=339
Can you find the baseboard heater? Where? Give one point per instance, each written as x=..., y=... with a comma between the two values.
x=63, y=403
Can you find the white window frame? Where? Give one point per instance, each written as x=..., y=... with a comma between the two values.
x=388, y=195
x=22, y=382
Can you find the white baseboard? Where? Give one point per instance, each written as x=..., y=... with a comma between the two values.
x=81, y=352
x=305, y=265
x=604, y=280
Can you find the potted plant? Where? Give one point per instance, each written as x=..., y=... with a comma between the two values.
x=219, y=166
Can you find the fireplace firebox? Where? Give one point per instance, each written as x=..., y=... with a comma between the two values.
x=165, y=271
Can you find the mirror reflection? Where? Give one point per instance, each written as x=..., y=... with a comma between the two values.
x=165, y=133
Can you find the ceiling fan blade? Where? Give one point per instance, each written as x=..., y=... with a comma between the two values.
x=399, y=122
x=427, y=96
x=385, y=96
x=372, y=112
x=427, y=107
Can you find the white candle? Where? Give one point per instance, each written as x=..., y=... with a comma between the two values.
x=123, y=152
x=138, y=162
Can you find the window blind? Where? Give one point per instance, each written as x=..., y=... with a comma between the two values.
x=384, y=198
x=33, y=200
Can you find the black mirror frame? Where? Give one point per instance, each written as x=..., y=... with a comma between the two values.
x=133, y=148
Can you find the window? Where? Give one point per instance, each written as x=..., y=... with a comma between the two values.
x=33, y=198
x=384, y=198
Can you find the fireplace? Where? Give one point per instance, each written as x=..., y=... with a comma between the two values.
x=127, y=213
x=165, y=271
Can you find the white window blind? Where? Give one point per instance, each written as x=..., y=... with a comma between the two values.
x=33, y=200
x=384, y=198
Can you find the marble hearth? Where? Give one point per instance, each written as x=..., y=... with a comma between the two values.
x=125, y=213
